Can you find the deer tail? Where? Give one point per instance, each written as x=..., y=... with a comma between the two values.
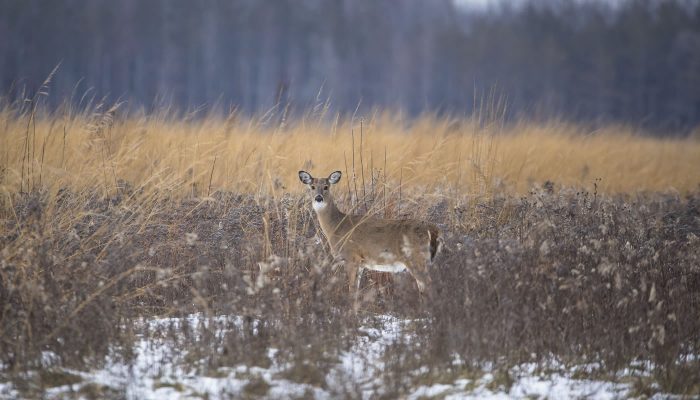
x=433, y=234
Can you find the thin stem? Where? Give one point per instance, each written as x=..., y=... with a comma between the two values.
x=354, y=176
x=211, y=174
x=362, y=171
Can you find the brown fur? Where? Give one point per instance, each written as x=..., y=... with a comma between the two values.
x=359, y=240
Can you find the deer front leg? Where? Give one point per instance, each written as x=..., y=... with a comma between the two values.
x=422, y=280
x=419, y=271
x=354, y=271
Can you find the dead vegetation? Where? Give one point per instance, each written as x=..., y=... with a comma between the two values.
x=560, y=275
x=582, y=277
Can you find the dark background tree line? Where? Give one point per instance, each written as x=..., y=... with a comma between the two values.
x=636, y=62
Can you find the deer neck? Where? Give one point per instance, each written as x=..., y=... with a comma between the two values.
x=330, y=217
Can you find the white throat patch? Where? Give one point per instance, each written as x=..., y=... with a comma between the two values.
x=319, y=205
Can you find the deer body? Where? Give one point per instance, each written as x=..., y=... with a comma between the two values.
x=366, y=242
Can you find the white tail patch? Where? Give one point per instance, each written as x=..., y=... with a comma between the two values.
x=406, y=247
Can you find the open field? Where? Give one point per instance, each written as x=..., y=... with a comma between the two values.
x=182, y=250
x=197, y=155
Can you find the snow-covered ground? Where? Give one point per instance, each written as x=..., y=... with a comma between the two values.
x=155, y=373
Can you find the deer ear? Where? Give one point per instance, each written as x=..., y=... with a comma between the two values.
x=305, y=177
x=334, y=177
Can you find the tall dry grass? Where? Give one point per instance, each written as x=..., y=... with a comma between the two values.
x=107, y=217
x=198, y=155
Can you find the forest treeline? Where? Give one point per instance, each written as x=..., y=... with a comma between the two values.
x=635, y=62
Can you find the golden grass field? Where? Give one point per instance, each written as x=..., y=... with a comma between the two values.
x=198, y=156
x=173, y=215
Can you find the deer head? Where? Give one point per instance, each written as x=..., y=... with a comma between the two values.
x=320, y=188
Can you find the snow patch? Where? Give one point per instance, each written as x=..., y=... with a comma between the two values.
x=156, y=372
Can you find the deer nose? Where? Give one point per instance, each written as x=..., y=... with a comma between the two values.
x=319, y=198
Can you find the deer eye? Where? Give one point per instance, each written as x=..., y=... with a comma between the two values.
x=325, y=187
x=313, y=187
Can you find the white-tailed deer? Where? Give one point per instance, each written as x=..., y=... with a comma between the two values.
x=366, y=242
